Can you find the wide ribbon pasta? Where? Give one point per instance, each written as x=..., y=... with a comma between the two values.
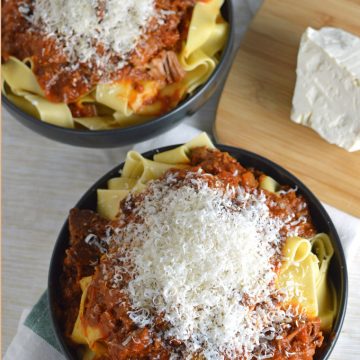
x=269, y=184
x=304, y=270
x=180, y=155
x=83, y=333
x=20, y=86
x=325, y=290
x=138, y=171
x=303, y=277
x=121, y=104
x=303, y=273
x=207, y=36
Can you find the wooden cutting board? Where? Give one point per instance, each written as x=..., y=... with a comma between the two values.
x=254, y=110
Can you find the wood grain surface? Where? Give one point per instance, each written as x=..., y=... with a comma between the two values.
x=254, y=111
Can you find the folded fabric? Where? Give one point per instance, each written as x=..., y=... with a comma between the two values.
x=348, y=228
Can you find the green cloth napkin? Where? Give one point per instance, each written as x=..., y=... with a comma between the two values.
x=39, y=321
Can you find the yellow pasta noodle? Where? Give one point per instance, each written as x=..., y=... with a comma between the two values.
x=85, y=334
x=23, y=104
x=326, y=294
x=303, y=272
x=115, y=96
x=26, y=93
x=19, y=77
x=120, y=103
x=304, y=276
x=121, y=183
x=269, y=184
x=98, y=122
x=180, y=154
x=109, y=202
x=54, y=113
x=79, y=332
x=138, y=171
x=198, y=55
x=144, y=170
x=298, y=274
x=203, y=22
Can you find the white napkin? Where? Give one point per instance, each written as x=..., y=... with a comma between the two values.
x=348, y=228
x=28, y=345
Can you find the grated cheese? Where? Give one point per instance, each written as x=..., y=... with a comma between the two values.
x=203, y=258
x=82, y=25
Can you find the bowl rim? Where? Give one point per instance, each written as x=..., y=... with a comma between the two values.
x=223, y=66
x=237, y=153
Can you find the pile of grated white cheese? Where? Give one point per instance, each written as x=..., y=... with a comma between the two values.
x=81, y=25
x=195, y=253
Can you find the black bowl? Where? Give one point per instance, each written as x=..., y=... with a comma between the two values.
x=320, y=217
x=137, y=133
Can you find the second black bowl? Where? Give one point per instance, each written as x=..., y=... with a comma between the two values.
x=152, y=128
x=320, y=217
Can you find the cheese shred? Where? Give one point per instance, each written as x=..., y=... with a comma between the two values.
x=82, y=26
x=203, y=258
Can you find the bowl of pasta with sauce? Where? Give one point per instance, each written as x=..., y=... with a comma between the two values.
x=109, y=73
x=198, y=251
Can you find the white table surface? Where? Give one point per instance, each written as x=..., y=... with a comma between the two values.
x=43, y=179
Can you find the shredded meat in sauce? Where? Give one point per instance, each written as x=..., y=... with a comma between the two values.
x=107, y=308
x=79, y=261
x=153, y=58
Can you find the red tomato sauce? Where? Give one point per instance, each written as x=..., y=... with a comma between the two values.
x=107, y=308
x=66, y=82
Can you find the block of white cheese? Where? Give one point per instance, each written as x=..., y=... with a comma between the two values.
x=327, y=91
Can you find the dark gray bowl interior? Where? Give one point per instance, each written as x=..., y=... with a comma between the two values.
x=137, y=133
x=321, y=219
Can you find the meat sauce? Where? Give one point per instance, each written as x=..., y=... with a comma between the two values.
x=64, y=82
x=106, y=308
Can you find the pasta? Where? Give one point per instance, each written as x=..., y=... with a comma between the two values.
x=304, y=274
x=304, y=271
x=325, y=291
x=296, y=274
x=269, y=184
x=135, y=175
x=24, y=91
x=136, y=92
